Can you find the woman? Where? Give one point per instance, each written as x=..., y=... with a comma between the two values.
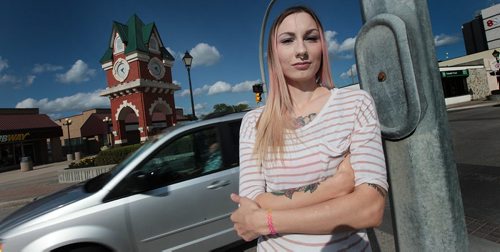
x=298, y=189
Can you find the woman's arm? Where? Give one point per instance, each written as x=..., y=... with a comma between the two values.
x=360, y=209
x=342, y=183
x=253, y=184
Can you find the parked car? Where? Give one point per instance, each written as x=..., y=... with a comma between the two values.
x=170, y=195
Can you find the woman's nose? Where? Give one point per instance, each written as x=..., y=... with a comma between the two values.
x=301, y=50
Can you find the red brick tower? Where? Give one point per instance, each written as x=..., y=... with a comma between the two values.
x=139, y=81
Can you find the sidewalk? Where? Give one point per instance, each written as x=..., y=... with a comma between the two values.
x=18, y=188
x=471, y=104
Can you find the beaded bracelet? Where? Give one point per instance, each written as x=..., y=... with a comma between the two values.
x=272, y=230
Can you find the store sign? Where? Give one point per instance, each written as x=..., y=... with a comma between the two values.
x=458, y=73
x=13, y=138
x=492, y=22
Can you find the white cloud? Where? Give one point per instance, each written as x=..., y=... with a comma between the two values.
x=76, y=102
x=3, y=64
x=183, y=93
x=79, y=72
x=17, y=82
x=219, y=87
x=204, y=55
x=41, y=68
x=443, y=39
x=30, y=79
x=9, y=79
x=244, y=86
x=340, y=50
x=353, y=71
x=199, y=106
x=202, y=90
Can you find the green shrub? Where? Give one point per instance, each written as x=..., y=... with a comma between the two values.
x=85, y=162
x=115, y=155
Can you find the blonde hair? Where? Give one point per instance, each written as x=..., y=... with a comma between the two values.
x=276, y=116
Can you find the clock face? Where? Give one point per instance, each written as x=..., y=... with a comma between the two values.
x=156, y=68
x=121, y=69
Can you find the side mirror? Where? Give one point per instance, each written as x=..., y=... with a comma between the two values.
x=137, y=182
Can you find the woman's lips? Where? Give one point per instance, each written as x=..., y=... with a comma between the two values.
x=301, y=65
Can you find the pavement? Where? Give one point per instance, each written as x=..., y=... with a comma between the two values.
x=482, y=215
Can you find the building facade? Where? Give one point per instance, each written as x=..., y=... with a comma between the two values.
x=483, y=32
x=26, y=133
x=139, y=81
x=471, y=77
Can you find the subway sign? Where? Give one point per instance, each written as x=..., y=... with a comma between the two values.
x=13, y=137
x=458, y=73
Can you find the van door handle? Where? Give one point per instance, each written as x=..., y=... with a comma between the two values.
x=218, y=184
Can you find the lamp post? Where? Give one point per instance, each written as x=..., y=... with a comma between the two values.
x=188, y=59
x=109, y=124
x=67, y=122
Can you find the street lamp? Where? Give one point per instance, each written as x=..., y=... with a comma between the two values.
x=188, y=59
x=109, y=124
x=67, y=122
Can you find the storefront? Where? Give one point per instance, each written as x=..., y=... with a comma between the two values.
x=25, y=133
x=455, y=83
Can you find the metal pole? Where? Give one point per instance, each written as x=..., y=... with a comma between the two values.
x=69, y=140
x=261, y=47
x=397, y=65
x=191, y=92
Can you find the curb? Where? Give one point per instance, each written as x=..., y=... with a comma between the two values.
x=82, y=174
x=485, y=104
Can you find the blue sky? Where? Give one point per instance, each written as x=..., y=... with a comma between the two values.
x=50, y=50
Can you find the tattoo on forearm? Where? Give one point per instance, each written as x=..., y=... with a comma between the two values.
x=289, y=192
x=378, y=188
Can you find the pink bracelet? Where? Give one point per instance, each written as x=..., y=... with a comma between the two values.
x=270, y=225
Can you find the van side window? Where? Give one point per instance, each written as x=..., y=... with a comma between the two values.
x=186, y=157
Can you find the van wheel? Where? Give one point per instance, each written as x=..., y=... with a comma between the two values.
x=83, y=247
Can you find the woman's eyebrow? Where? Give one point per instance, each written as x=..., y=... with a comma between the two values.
x=311, y=31
x=287, y=33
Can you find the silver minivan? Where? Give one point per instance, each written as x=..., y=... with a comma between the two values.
x=170, y=195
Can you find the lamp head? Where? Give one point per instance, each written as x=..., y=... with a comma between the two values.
x=188, y=59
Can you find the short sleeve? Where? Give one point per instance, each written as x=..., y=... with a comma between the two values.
x=252, y=182
x=367, y=155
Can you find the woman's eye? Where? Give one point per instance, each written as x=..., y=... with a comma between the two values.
x=286, y=41
x=312, y=38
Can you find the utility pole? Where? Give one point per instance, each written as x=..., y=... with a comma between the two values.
x=397, y=65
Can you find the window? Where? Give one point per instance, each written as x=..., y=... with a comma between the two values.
x=187, y=157
x=118, y=44
x=153, y=44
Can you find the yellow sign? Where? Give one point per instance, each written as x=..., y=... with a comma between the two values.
x=13, y=137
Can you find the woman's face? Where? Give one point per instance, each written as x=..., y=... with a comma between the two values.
x=299, y=48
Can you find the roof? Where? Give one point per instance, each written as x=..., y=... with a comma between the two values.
x=19, y=122
x=94, y=125
x=135, y=35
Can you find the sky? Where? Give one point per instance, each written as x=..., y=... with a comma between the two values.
x=50, y=50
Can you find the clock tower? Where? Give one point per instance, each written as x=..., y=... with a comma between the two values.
x=139, y=81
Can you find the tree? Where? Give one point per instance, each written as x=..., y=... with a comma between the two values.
x=222, y=108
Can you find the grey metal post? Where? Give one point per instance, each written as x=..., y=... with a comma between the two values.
x=397, y=65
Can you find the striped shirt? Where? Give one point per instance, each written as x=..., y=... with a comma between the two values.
x=347, y=122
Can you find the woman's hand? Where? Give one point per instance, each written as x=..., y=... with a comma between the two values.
x=343, y=180
x=249, y=219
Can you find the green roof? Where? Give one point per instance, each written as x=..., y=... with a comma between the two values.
x=135, y=35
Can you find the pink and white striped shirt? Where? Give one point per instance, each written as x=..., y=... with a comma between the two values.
x=347, y=122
